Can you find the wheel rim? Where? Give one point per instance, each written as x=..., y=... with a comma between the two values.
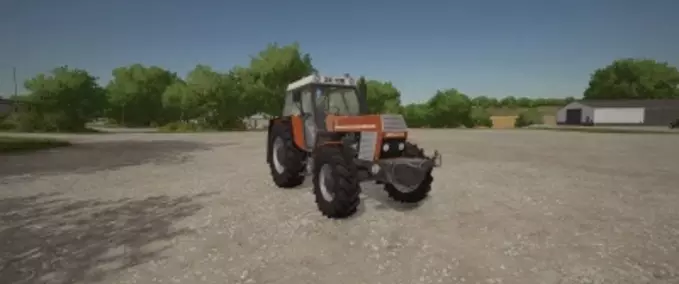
x=277, y=148
x=325, y=176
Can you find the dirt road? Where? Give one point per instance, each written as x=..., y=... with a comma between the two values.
x=507, y=207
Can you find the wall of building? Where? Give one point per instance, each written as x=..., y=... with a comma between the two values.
x=5, y=108
x=586, y=112
x=660, y=116
x=619, y=115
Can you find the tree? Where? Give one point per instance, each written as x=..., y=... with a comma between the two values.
x=64, y=100
x=484, y=102
x=525, y=102
x=449, y=108
x=634, y=79
x=270, y=72
x=136, y=94
x=416, y=115
x=217, y=98
x=509, y=101
x=179, y=103
x=382, y=97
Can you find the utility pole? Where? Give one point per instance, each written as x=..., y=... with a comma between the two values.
x=14, y=75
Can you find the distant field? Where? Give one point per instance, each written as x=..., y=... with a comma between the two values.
x=504, y=111
x=504, y=117
x=504, y=121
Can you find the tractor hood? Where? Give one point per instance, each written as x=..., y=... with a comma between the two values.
x=384, y=123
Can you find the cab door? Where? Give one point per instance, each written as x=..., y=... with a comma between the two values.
x=310, y=129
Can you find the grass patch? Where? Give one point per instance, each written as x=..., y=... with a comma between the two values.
x=24, y=144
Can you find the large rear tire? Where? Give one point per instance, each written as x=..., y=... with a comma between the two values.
x=287, y=161
x=422, y=191
x=335, y=180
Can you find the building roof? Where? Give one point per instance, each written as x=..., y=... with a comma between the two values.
x=659, y=103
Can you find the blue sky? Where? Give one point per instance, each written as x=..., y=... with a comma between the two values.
x=495, y=48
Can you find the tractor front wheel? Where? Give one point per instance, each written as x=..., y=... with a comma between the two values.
x=418, y=194
x=287, y=161
x=335, y=180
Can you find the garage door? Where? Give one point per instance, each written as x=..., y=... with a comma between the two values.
x=574, y=116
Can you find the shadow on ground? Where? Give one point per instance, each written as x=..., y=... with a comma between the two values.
x=376, y=192
x=96, y=156
x=49, y=239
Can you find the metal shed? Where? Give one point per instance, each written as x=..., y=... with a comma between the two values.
x=619, y=112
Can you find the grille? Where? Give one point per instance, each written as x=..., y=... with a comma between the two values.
x=393, y=123
x=366, y=150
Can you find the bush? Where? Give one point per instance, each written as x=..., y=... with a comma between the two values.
x=34, y=121
x=481, y=117
x=5, y=124
x=12, y=144
x=528, y=117
x=29, y=121
x=180, y=126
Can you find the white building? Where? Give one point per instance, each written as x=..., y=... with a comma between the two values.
x=619, y=112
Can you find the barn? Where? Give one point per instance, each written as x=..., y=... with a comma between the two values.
x=619, y=112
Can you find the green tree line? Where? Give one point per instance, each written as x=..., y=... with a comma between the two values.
x=141, y=96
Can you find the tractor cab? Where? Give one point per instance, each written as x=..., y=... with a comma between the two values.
x=314, y=98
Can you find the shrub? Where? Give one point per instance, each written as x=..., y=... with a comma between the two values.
x=5, y=124
x=528, y=117
x=29, y=121
x=481, y=117
x=180, y=126
x=19, y=144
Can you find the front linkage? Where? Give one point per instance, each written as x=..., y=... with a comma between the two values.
x=405, y=173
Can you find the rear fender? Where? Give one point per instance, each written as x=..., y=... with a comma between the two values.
x=295, y=126
x=268, y=138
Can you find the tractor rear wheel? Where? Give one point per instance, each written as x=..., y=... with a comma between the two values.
x=287, y=161
x=336, y=185
x=418, y=194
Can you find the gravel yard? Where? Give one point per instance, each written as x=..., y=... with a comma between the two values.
x=507, y=207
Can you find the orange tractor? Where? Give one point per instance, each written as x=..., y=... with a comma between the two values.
x=325, y=132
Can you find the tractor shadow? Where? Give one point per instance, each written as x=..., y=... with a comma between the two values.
x=373, y=196
x=48, y=238
x=377, y=193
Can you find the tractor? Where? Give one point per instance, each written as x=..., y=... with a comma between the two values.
x=325, y=132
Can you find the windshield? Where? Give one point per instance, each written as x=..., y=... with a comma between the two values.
x=340, y=100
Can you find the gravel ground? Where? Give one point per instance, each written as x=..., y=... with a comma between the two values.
x=507, y=207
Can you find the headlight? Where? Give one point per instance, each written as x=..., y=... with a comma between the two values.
x=375, y=169
x=385, y=147
x=401, y=146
